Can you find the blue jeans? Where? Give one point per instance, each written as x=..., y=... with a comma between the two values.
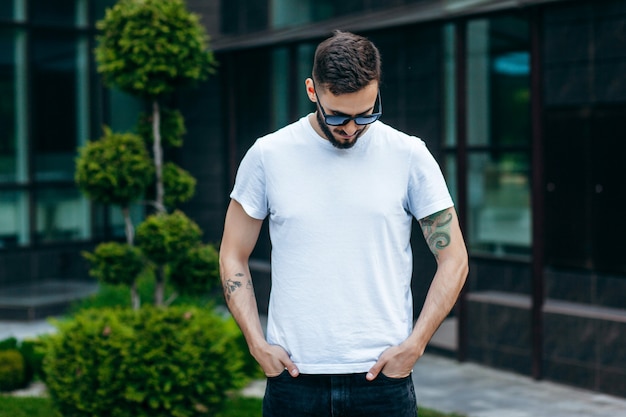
x=346, y=395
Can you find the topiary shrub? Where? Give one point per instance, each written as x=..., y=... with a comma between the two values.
x=115, y=169
x=115, y=263
x=197, y=272
x=152, y=362
x=33, y=354
x=166, y=237
x=11, y=370
x=8, y=344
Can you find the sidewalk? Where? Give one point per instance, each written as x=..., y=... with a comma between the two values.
x=466, y=388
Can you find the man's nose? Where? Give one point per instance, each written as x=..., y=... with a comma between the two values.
x=351, y=127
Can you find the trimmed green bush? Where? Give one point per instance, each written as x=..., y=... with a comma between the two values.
x=166, y=237
x=11, y=370
x=33, y=354
x=7, y=344
x=115, y=169
x=115, y=263
x=152, y=47
x=154, y=362
x=197, y=272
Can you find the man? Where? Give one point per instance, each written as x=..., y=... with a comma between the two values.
x=341, y=190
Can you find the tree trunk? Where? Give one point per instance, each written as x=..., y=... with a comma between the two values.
x=157, y=150
x=159, y=289
x=135, y=302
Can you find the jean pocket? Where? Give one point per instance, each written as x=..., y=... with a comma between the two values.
x=390, y=379
x=280, y=375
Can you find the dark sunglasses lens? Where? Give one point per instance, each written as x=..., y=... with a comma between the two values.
x=366, y=120
x=336, y=120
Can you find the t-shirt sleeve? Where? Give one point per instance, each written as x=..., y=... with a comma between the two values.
x=428, y=192
x=250, y=184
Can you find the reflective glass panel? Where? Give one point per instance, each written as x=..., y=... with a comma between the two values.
x=55, y=97
x=8, y=143
x=498, y=82
x=62, y=12
x=62, y=214
x=13, y=219
x=499, y=218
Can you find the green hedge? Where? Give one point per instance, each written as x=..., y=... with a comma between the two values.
x=11, y=370
x=174, y=362
x=31, y=357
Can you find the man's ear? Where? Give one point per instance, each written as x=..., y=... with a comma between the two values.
x=310, y=90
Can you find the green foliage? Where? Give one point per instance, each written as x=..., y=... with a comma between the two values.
x=11, y=370
x=115, y=263
x=152, y=47
x=165, y=238
x=116, y=295
x=197, y=272
x=26, y=407
x=172, y=127
x=115, y=169
x=7, y=344
x=32, y=356
x=33, y=353
x=174, y=362
x=179, y=185
x=42, y=407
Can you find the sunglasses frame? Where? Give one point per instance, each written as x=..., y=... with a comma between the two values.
x=366, y=119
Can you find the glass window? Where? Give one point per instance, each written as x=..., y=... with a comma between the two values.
x=6, y=9
x=498, y=136
x=305, y=66
x=13, y=106
x=55, y=95
x=449, y=85
x=280, y=92
x=62, y=214
x=8, y=145
x=499, y=202
x=14, y=229
x=498, y=110
x=62, y=12
x=286, y=13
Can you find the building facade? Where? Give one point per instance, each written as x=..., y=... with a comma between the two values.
x=522, y=102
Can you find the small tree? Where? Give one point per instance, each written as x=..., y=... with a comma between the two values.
x=115, y=170
x=151, y=48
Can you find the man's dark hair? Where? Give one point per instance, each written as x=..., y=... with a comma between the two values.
x=346, y=63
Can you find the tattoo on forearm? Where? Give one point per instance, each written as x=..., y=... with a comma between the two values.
x=232, y=285
x=436, y=229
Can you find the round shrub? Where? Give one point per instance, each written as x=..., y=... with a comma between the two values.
x=166, y=237
x=116, y=169
x=197, y=272
x=11, y=370
x=115, y=263
x=174, y=362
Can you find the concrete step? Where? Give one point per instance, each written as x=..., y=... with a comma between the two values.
x=38, y=300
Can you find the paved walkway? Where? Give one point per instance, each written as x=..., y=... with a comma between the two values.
x=466, y=388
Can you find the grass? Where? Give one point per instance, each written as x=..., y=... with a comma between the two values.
x=42, y=407
x=236, y=407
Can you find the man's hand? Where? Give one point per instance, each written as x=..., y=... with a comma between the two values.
x=395, y=362
x=274, y=360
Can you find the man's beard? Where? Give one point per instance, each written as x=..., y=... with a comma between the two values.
x=331, y=138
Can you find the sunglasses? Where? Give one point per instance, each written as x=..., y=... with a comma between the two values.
x=340, y=120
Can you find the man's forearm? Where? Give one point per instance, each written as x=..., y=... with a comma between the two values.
x=239, y=296
x=441, y=297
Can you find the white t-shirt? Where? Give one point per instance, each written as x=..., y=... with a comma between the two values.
x=340, y=224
